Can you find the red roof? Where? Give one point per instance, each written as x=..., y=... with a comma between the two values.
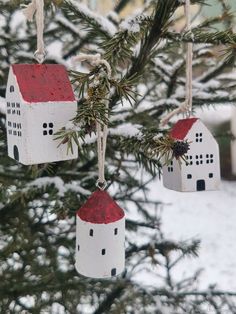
x=100, y=208
x=43, y=82
x=181, y=128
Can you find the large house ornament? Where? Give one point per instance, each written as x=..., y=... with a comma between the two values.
x=40, y=101
x=201, y=170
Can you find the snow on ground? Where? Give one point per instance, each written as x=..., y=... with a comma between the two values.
x=210, y=217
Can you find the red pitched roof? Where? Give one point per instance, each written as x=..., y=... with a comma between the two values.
x=181, y=128
x=43, y=82
x=100, y=208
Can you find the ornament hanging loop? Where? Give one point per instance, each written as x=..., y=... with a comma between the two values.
x=39, y=56
x=36, y=7
x=101, y=185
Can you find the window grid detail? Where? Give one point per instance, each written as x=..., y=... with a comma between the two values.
x=199, y=159
x=48, y=128
x=209, y=158
x=170, y=167
x=189, y=160
x=198, y=137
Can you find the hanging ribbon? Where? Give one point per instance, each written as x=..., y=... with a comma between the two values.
x=37, y=7
x=185, y=107
x=101, y=128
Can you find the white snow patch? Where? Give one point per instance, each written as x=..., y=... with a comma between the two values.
x=2, y=105
x=126, y=130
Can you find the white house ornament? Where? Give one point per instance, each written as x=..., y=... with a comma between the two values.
x=40, y=101
x=201, y=171
x=100, y=237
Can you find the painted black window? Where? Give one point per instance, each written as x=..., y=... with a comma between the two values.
x=209, y=158
x=113, y=271
x=189, y=176
x=17, y=105
x=170, y=167
x=8, y=104
x=199, y=159
x=189, y=160
x=78, y=247
x=91, y=232
x=103, y=251
x=48, y=128
x=115, y=231
x=210, y=175
x=11, y=89
x=13, y=105
x=9, y=111
x=198, y=137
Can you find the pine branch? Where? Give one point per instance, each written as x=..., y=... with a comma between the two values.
x=198, y=36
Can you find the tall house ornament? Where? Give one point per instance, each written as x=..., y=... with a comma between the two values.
x=40, y=101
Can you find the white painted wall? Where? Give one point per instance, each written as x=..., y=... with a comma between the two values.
x=15, y=97
x=233, y=143
x=43, y=148
x=89, y=259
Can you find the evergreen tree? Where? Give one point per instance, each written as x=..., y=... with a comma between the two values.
x=38, y=203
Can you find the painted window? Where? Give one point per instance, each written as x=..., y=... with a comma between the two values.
x=8, y=104
x=189, y=176
x=199, y=159
x=210, y=175
x=198, y=137
x=8, y=111
x=13, y=105
x=115, y=231
x=209, y=158
x=170, y=167
x=113, y=271
x=18, y=105
x=11, y=89
x=91, y=232
x=189, y=160
x=103, y=251
x=78, y=247
x=48, y=128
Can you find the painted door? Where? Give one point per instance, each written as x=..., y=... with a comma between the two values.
x=201, y=185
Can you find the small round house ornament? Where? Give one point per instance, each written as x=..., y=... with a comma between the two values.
x=40, y=101
x=201, y=170
x=100, y=237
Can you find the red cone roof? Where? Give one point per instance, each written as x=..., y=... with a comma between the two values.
x=43, y=82
x=100, y=208
x=181, y=128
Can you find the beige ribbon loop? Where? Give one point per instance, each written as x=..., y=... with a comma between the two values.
x=102, y=129
x=185, y=107
x=36, y=7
